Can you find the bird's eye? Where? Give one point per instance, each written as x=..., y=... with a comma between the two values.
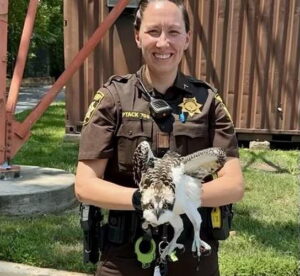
x=165, y=206
x=150, y=206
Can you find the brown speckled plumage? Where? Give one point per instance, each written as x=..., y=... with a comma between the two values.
x=171, y=186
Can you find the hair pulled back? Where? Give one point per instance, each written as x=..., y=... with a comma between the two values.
x=143, y=5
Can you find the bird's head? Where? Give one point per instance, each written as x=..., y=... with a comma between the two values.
x=157, y=202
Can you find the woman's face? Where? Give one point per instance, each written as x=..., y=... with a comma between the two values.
x=162, y=37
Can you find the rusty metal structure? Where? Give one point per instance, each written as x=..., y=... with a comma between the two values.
x=3, y=64
x=248, y=49
x=14, y=134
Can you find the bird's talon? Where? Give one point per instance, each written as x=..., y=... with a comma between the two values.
x=179, y=246
x=198, y=264
x=181, y=250
x=194, y=254
x=204, y=251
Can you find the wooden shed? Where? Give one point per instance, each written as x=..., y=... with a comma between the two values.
x=248, y=49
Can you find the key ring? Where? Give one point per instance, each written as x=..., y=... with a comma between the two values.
x=162, y=246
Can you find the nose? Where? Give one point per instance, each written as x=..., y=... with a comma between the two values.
x=162, y=41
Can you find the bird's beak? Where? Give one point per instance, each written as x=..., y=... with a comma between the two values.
x=158, y=212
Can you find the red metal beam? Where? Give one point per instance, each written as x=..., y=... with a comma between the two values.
x=22, y=56
x=21, y=132
x=90, y=45
x=3, y=64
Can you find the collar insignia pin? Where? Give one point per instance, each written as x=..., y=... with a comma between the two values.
x=191, y=106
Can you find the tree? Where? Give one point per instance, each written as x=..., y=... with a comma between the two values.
x=45, y=55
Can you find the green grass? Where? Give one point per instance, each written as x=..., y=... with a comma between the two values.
x=46, y=147
x=55, y=240
x=266, y=225
x=266, y=220
x=47, y=241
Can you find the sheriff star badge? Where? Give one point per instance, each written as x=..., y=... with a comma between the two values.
x=191, y=106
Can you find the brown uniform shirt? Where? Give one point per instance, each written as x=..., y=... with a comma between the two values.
x=119, y=118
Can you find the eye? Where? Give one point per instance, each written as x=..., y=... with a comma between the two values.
x=166, y=206
x=174, y=32
x=148, y=206
x=155, y=33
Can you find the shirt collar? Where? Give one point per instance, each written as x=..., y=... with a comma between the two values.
x=181, y=83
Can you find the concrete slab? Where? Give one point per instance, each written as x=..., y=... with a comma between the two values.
x=37, y=191
x=13, y=269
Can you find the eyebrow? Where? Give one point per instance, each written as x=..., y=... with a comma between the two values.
x=158, y=25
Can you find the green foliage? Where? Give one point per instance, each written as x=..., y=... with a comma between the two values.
x=266, y=222
x=46, y=48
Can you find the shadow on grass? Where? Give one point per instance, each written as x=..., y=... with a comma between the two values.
x=52, y=120
x=281, y=236
x=46, y=147
x=259, y=156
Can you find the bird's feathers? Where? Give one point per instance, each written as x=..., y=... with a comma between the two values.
x=143, y=158
x=187, y=189
x=173, y=176
x=171, y=186
x=204, y=162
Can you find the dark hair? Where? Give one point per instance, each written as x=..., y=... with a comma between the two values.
x=143, y=5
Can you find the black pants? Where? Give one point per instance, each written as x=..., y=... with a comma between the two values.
x=121, y=261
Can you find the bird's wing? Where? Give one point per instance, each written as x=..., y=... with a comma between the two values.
x=143, y=158
x=204, y=162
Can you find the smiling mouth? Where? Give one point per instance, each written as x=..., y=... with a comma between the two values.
x=162, y=56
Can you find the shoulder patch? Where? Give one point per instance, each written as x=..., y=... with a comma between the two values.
x=219, y=99
x=97, y=99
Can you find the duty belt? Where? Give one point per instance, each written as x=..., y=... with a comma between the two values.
x=125, y=226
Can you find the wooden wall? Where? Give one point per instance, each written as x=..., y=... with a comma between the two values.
x=248, y=49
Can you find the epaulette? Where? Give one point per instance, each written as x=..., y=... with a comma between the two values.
x=203, y=83
x=118, y=78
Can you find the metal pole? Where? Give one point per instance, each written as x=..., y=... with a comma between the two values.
x=89, y=46
x=22, y=56
x=3, y=64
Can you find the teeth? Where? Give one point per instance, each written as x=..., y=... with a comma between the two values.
x=162, y=56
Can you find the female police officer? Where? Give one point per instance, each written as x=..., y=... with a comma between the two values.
x=119, y=118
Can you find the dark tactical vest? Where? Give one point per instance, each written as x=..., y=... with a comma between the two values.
x=134, y=124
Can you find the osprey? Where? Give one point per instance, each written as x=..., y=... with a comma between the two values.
x=171, y=186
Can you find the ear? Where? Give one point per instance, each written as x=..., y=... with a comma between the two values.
x=187, y=40
x=137, y=38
